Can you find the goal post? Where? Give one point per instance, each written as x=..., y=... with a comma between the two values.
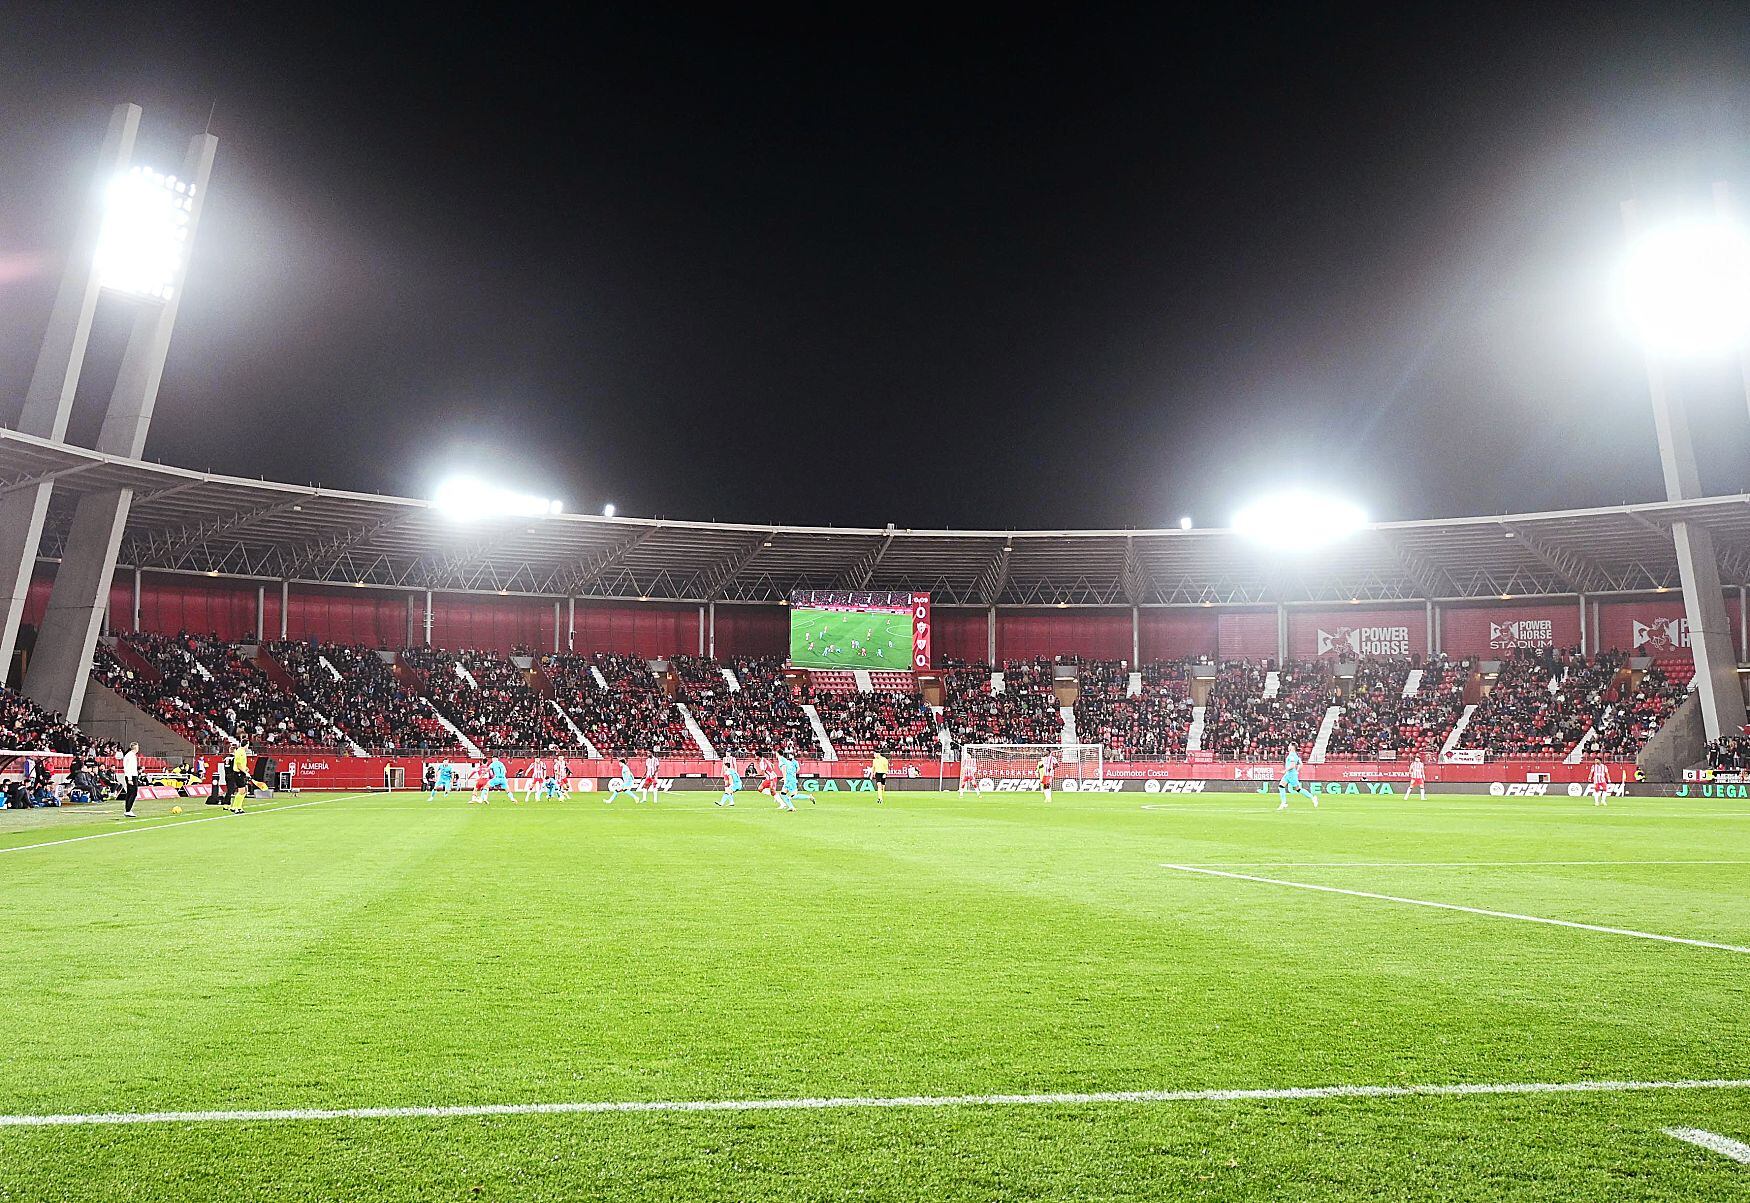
x=1010, y=767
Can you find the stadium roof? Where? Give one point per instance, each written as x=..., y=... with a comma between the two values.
x=202, y=522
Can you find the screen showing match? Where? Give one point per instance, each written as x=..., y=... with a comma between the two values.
x=868, y=629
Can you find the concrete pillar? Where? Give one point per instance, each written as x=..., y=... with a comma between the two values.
x=701, y=630
x=1433, y=640
x=1281, y=635
x=1135, y=637
x=136, y=599
x=261, y=613
x=428, y=618
x=1585, y=631
x=990, y=635
x=48, y=400
x=570, y=624
x=1710, y=635
x=711, y=629
x=285, y=607
x=555, y=626
x=58, y=671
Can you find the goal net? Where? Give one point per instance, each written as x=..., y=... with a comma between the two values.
x=1009, y=767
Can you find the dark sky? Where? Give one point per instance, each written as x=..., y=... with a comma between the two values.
x=1088, y=270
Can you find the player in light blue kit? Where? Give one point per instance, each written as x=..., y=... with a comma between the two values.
x=731, y=780
x=1291, y=779
x=496, y=778
x=787, y=796
x=442, y=781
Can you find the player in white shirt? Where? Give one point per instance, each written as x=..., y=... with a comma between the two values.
x=537, y=777
x=561, y=778
x=649, y=786
x=1047, y=770
x=1418, y=777
x=1600, y=784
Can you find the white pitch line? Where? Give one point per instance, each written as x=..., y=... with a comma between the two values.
x=1713, y=1141
x=1457, y=1089
x=1436, y=864
x=1469, y=910
x=104, y=835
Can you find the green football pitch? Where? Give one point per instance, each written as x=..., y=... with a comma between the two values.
x=877, y=1002
x=824, y=638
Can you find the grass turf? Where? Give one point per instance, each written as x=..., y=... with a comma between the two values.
x=382, y=951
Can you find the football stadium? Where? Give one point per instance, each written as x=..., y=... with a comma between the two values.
x=475, y=842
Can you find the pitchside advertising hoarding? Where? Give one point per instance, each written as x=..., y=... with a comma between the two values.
x=871, y=629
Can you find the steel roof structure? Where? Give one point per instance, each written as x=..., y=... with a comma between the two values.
x=202, y=522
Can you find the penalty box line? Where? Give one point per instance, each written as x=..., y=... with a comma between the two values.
x=1468, y=910
x=876, y=1102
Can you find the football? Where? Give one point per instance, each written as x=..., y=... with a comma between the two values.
x=176, y=810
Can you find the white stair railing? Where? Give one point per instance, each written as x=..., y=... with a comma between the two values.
x=827, y=751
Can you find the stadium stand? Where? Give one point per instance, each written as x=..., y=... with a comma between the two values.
x=764, y=716
x=632, y=715
x=1020, y=714
x=883, y=720
x=365, y=701
x=490, y=700
x=1377, y=717
x=1152, y=725
x=1243, y=724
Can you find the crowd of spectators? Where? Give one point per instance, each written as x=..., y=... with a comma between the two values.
x=1023, y=713
x=762, y=717
x=490, y=700
x=1632, y=710
x=1377, y=717
x=1729, y=754
x=632, y=715
x=25, y=726
x=1242, y=724
x=1543, y=702
x=358, y=692
x=1153, y=724
x=881, y=720
x=206, y=688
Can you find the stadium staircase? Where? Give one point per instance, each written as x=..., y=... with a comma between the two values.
x=462, y=672
x=1133, y=685
x=327, y=666
x=997, y=684
x=1579, y=752
x=827, y=751
x=275, y=671
x=1413, y=683
x=582, y=739
x=1457, y=732
x=865, y=683
x=730, y=680
x=1272, y=684
x=1068, y=738
x=468, y=745
x=1194, y=733
x=601, y=682
x=141, y=667
x=696, y=731
x=1679, y=743
x=1322, y=741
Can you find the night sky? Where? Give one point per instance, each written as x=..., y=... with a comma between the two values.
x=1099, y=270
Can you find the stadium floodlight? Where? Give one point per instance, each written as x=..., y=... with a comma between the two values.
x=465, y=499
x=1185, y=522
x=1299, y=521
x=143, y=241
x=608, y=510
x=1685, y=288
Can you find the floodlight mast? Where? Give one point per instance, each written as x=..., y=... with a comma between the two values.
x=1704, y=603
x=61, y=663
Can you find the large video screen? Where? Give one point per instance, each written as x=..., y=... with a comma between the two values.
x=869, y=629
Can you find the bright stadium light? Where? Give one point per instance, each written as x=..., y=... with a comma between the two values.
x=144, y=238
x=1185, y=522
x=465, y=499
x=1685, y=288
x=1298, y=521
x=608, y=510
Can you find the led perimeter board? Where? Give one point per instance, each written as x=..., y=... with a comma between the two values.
x=860, y=628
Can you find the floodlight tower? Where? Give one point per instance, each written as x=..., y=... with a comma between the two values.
x=1687, y=289
x=133, y=240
